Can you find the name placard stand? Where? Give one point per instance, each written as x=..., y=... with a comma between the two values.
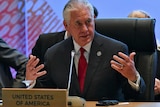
x=21, y=97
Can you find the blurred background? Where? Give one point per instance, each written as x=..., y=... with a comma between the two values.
x=21, y=21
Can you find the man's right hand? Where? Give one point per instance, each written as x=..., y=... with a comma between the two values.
x=32, y=70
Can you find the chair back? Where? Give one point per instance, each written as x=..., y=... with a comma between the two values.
x=139, y=35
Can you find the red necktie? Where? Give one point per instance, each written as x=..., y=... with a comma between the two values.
x=82, y=67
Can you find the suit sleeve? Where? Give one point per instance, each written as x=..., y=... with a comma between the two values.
x=131, y=93
x=13, y=58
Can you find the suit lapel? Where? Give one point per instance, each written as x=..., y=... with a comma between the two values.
x=94, y=62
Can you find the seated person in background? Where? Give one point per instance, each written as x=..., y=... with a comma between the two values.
x=95, y=12
x=47, y=40
x=10, y=57
x=157, y=80
x=143, y=14
x=106, y=72
x=138, y=14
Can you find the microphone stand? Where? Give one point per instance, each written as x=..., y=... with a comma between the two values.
x=70, y=70
x=73, y=101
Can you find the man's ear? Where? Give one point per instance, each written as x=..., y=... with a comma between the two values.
x=65, y=24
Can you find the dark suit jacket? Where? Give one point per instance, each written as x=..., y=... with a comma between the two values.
x=44, y=42
x=101, y=80
x=10, y=57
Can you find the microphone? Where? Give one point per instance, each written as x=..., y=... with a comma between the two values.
x=73, y=101
x=70, y=70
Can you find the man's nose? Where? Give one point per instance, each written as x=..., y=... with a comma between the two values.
x=85, y=28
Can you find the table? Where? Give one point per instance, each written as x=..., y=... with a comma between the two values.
x=126, y=104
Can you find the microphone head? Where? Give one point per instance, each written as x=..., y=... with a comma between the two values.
x=72, y=53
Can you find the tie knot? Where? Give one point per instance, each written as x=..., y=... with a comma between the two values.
x=82, y=50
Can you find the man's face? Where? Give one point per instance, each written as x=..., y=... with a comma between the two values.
x=81, y=26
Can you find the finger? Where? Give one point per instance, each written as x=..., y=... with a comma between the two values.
x=127, y=60
x=35, y=70
x=39, y=74
x=118, y=59
x=132, y=56
x=123, y=56
x=115, y=65
x=38, y=68
x=35, y=62
x=156, y=81
x=31, y=60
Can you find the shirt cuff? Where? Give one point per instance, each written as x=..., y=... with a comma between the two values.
x=135, y=85
x=29, y=83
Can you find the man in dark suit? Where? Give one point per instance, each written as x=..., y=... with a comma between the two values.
x=106, y=74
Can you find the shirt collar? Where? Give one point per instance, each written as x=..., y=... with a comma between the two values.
x=66, y=35
x=77, y=47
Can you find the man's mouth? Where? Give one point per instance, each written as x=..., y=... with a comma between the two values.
x=85, y=36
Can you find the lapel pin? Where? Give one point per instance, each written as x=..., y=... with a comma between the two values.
x=99, y=53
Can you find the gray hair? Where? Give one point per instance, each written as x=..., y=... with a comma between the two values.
x=76, y=4
x=138, y=13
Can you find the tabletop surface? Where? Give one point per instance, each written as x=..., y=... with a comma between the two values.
x=123, y=104
x=126, y=104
